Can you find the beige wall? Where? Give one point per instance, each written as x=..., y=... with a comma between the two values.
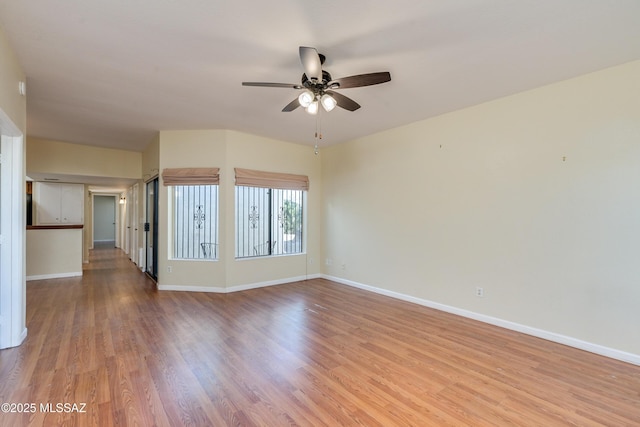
x=54, y=253
x=227, y=150
x=11, y=102
x=151, y=159
x=533, y=197
x=47, y=156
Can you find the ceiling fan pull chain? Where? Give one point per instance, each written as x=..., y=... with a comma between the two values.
x=318, y=134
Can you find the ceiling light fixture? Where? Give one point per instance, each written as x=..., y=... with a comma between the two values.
x=313, y=108
x=317, y=85
x=306, y=98
x=328, y=102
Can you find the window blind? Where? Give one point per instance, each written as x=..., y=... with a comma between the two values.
x=190, y=176
x=282, y=181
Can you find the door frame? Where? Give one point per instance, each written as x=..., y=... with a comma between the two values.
x=116, y=214
x=13, y=330
x=151, y=226
x=134, y=223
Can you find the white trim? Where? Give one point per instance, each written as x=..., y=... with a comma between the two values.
x=539, y=333
x=12, y=248
x=142, y=255
x=54, y=276
x=237, y=288
x=268, y=283
x=187, y=288
x=23, y=336
x=6, y=240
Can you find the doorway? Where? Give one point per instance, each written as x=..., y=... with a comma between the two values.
x=151, y=229
x=104, y=220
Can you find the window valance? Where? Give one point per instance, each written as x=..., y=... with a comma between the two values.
x=282, y=181
x=191, y=176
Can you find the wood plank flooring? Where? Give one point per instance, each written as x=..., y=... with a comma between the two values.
x=310, y=353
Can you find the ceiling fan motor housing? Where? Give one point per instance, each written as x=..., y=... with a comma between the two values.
x=316, y=86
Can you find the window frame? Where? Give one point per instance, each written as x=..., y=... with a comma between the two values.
x=273, y=219
x=214, y=227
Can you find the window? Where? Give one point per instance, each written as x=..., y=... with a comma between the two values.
x=195, y=211
x=268, y=221
x=195, y=214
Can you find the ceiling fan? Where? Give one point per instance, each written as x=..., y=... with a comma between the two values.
x=319, y=87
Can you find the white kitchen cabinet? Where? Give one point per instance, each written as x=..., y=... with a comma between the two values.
x=58, y=204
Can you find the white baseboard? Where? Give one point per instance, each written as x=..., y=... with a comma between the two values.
x=539, y=333
x=54, y=276
x=15, y=341
x=237, y=288
x=23, y=336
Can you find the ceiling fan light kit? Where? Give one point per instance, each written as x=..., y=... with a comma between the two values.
x=319, y=87
x=328, y=102
x=309, y=101
x=313, y=108
x=306, y=98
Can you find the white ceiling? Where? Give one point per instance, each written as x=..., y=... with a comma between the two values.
x=113, y=72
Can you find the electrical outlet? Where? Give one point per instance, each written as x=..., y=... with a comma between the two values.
x=479, y=292
x=329, y=261
x=169, y=269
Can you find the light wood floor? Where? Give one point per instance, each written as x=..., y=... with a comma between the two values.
x=310, y=353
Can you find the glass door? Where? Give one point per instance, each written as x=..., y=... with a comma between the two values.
x=151, y=229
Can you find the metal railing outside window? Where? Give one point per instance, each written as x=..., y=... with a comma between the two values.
x=268, y=221
x=195, y=212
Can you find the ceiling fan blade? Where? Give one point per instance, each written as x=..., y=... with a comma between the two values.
x=344, y=101
x=263, y=84
x=311, y=63
x=361, y=80
x=291, y=106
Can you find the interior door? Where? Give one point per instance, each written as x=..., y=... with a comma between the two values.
x=151, y=229
x=127, y=224
x=135, y=224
